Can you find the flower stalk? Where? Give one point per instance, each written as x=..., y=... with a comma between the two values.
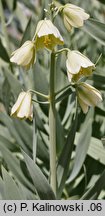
x=39, y=93
x=52, y=125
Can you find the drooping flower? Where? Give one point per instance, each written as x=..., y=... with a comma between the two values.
x=25, y=55
x=78, y=66
x=87, y=96
x=23, y=108
x=73, y=16
x=47, y=35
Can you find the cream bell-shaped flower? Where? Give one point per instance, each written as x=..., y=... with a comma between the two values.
x=25, y=55
x=47, y=35
x=23, y=108
x=87, y=96
x=73, y=16
x=78, y=66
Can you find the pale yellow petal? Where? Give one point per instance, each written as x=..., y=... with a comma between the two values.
x=25, y=55
x=46, y=27
x=89, y=94
x=76, y=61
x=84, y=61
x=24, y=110
x=70, y=76
x=73, y=16
x=75, y=19
x=73, y=64
x=83, y=106
x=18, y=102
x=47, y=35
x=67, y=23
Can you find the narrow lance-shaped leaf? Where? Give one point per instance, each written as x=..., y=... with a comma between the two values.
x=34, y=140
x=27, y=32
x=95, y=29
x=41, y=184
x=14, y=165
x=64, y=160
x=3, y=53
x=94, y=191
x=15, y=85
x=82, y=147
x=11, y=190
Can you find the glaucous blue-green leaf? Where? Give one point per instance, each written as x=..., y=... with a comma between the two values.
x=11, y=190
x=40, y=182
x=82, y=147
x=95, y=29
x=94, y=191
x=64, y=159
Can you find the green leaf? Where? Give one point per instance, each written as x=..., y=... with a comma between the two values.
x=34, y=140
x=24, y=131
x=3, y=53
x=7, y=143
x=95, y=29
x=40, y=79
x=27, y=32
x=28, y=4
x=60, y=139
x=41, y=184
x=102, y=1
x=63, y=95
x=11, y=190
x=14, y=165
x=60, y=77
x=94, y=191
x=96, y=149
x=15, y=85
x=6, y=94
x=82, y=147
x=1, y=188
x=7, y=121
x=64, y=160
x=42, y=151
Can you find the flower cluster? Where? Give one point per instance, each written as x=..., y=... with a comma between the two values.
x=78, y=66
x=48, y=36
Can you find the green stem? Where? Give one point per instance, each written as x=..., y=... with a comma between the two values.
x=52, y=126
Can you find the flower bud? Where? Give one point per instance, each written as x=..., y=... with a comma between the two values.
x=25, y=55
x=47, y=35
x=23, y=107
x=78, y=66
x=73, y=16
x=87, y=96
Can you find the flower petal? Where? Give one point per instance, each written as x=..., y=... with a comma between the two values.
x=24, y=110
x=18, y=102
x=90, y=95
x=25, y=55
x=83, y=106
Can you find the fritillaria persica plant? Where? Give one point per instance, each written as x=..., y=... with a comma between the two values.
x=78, y=66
